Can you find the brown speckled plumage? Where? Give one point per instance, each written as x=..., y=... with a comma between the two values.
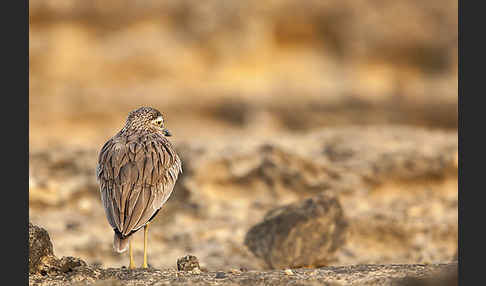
x=137, y=170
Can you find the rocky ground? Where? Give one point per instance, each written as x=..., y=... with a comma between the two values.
x=46, y=269
x=339, y=196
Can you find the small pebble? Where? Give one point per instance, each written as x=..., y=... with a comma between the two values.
x=71, y=226
x=188, y=263
x=289, y=272
x=220, y=275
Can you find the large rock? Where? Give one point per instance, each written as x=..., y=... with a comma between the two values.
x=40, y=249
x=306, y=233
x=41, y=255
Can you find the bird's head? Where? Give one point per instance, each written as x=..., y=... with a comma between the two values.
x=146, y=119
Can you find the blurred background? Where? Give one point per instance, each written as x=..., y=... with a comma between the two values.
x=363, y=89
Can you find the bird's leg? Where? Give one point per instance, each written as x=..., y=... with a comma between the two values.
x=132, y=263
x=145, y=242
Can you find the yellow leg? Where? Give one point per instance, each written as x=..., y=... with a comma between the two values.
x=132, y=263
x=145, y=243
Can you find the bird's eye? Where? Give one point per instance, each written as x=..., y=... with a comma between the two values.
x=158, y=121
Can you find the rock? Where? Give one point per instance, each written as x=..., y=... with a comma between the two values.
x=288, y=272
x=306, y=233
x=69, y=263
x=187, y=263
x=41, y=256
x=40, y=249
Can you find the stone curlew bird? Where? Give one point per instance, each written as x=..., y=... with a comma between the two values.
x=137, y=170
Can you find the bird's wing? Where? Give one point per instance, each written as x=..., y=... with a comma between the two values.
x=136, y=179
x=114, y=189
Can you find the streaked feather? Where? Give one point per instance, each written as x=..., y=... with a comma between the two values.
x=136, y=176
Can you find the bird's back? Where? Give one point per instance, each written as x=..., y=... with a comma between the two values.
x=137, y=173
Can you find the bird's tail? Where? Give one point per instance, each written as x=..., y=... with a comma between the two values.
x=120, y=244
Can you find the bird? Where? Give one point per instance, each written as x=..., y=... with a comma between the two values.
x=136, y=171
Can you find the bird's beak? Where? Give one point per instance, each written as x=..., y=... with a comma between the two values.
x=167, y=132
